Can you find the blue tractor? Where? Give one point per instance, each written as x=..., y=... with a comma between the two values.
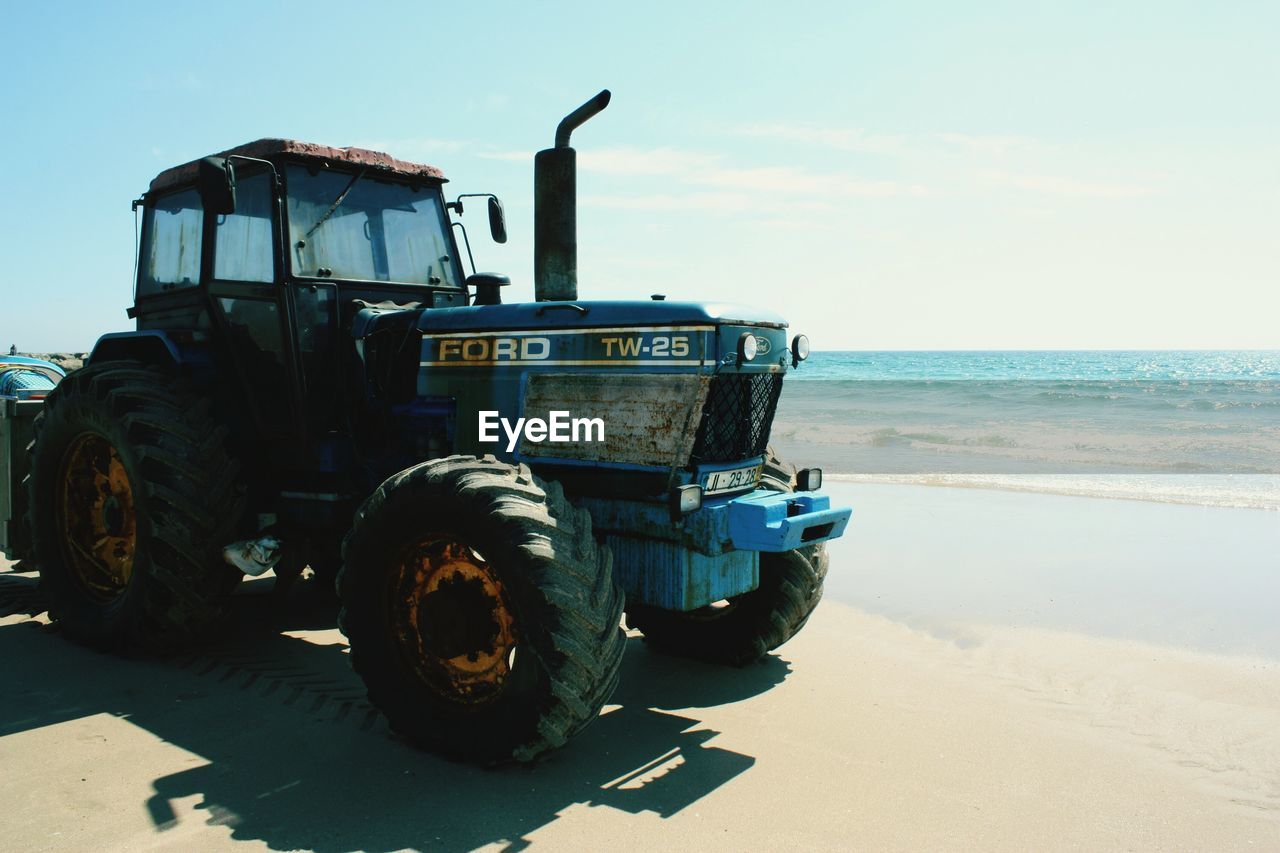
x=315, y=381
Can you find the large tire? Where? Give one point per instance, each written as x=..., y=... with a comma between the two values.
x=132, y=496
x=482, y=614
x=746, y=627
x=776, y=474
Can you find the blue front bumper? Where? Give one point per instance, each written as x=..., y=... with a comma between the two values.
x=712, y=553
x=777, y=521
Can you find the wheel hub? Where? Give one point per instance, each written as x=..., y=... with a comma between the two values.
x=97, y=517
x=452, y=620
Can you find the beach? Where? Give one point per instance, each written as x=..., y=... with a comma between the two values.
x=922, y=357
x=989, y=669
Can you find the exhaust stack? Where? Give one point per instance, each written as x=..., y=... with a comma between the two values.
x=555, y=210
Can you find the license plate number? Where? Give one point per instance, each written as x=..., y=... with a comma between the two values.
x=730, y=481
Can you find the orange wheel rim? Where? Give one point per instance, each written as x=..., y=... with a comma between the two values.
x=97, y=517
x=452, y=620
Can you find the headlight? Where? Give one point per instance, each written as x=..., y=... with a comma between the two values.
x=684, y=500
x=809, y=480
x=799, y=349
x=747, y=346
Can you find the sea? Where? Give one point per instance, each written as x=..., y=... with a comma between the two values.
x=1187, y=426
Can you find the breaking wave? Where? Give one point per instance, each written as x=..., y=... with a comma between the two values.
x=969, y=431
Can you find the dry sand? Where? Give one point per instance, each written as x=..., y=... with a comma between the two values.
x=861, y=733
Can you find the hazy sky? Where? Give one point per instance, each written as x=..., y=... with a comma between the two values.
x=886, y=175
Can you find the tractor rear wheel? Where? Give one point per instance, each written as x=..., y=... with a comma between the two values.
x=482, y=614
x=745, y=628
x=132, y=496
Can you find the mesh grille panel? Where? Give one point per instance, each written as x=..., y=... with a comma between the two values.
x=737, y=417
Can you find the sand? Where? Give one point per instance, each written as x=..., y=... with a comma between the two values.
x=913, y=732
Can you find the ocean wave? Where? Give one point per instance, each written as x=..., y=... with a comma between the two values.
x=1046, y=415
x=1200, y=394
x=1236, y=491
x=1030, y=448
x=911, y=426
x=888, y=435
x=1044, y=365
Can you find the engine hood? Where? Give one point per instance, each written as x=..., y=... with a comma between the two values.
x=594, y=314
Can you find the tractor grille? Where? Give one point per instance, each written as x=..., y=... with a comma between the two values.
x=650, y=416
x=737, y=417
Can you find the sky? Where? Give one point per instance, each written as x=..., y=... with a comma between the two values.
x=906, y=175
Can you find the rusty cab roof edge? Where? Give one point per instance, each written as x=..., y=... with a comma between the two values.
x=267, y=149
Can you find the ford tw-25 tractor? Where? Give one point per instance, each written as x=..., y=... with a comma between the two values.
x=315, y=381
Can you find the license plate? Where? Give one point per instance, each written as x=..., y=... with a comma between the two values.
x=731, y=480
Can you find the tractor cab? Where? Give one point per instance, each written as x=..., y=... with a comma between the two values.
x=255, y=262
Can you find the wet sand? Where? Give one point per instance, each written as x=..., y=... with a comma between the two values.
x=1201, y=578
x=940, y=698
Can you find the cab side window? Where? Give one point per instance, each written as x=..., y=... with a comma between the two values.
x=243, y=248
x=171, y=255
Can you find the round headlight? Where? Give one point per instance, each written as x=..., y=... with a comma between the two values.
x=747, y=346
x=800, y=347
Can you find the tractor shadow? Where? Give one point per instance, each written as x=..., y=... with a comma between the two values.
x=296, y=758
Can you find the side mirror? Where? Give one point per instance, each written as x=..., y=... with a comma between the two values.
x=216, y=182
x=497, y=220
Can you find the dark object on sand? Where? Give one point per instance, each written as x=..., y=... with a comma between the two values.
x=316, y=380
x=24, y=383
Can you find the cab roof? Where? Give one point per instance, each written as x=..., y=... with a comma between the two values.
x=266, y=149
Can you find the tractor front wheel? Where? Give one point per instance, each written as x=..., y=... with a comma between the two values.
x=743, y=629
x=482, y=614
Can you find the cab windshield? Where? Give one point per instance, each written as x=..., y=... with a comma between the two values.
x=352, y=225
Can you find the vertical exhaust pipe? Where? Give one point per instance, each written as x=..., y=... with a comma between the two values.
x=555, y=210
